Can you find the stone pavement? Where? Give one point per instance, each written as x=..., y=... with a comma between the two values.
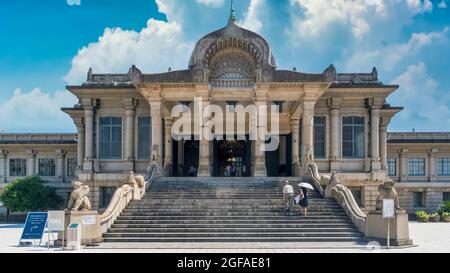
x=428, y=237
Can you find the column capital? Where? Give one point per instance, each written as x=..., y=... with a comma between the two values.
x=3, y=152
x=377, y=102
x=88, y=103
x=31, y=153
x=433, y=152
x=61, y=152
x=295, y=123
x=334, y=103
x=403, y=152
x=168, y=121
x=79, y=122
x=309, y=106
x=129, y=103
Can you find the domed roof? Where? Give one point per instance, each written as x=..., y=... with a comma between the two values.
x=233, y=36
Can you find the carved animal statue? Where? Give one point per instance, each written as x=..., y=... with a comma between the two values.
x=78, y=197
x=140, y=180
x=324, y=180
x=387, y=191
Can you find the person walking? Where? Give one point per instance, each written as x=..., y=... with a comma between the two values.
x=304, y=197
x=288, y=195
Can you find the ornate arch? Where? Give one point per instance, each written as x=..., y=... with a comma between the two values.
x=232, y=62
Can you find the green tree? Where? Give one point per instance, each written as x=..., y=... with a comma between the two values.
x=29, y=194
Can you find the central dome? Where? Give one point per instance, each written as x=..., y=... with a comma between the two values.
x=232, y=56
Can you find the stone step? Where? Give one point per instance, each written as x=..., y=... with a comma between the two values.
x=230, y=214
x=336, y=221
x=234, y=234
x=227, y=230
x=187, y=239
x=230, y=218
x=234, y=225
x=234, y=210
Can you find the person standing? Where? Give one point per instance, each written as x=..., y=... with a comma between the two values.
x=288, y=195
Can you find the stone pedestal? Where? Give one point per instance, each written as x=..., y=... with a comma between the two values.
x=376, y=228
x=89, y=233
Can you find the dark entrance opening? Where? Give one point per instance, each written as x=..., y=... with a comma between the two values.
x=232, y=158
x=191, y=157
x=278, y=163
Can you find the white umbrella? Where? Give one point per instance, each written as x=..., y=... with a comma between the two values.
x=306, y=185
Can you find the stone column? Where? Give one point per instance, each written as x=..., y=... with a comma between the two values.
x=80, y=145
x=31, y=162
x=307, y=134
x=155, y=112
x=89, y=139
x=295, y=129
x=129, y=105
x=335, y=140
x=204, y=165
x=60, y=156
x=3, y=172
x=383, y=147
x=260, y=154
x=168, y=122
x=403, y=173
x=432, y=165
x=375, y=139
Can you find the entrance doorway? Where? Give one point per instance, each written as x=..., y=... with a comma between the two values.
x=232, y=158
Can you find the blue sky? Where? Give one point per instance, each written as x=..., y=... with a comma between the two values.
x=49, y=44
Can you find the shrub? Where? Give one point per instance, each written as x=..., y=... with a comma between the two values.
x=445, y=207
x=422, y=216
x=29, y=194
x=434, y=217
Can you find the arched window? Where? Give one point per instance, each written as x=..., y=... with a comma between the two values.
x=232, y=70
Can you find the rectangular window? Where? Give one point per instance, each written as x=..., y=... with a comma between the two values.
x=106, y=194
x=71, y=166
x=46, y=167
x=17, y=167
x=144, y=137
x=416, y=166
x=111, y=138
x=392, y=166
x=353, y=139
x=446, y=196
x=443, y=166
x=419, y=199
x=319, y=137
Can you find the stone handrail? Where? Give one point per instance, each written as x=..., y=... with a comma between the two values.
x=345, y=198
x=315, y=178
x=120, y=200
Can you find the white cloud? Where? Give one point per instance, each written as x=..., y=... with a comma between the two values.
x=418, y=91
x=388, y=57
x=73, y=2
x=212, y=3
x=36, y=111
x=252, y=20
x=442, y=5
x=155, y=48
x=310, y=18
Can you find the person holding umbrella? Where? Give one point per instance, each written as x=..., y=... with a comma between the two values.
x=304, y=196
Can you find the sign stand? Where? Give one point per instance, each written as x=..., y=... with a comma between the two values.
x=34, y=228
x=55, y=223
x=388, y=213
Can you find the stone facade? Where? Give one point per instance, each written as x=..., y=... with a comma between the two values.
x=124, y=122
x=418, y=164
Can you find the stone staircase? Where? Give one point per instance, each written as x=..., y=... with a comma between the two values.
x=199, y=210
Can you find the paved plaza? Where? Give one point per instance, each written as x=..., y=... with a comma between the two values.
x=428, y=238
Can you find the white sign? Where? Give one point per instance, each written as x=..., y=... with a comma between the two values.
x=388, y=208
x=89, y=219
x=55, y=220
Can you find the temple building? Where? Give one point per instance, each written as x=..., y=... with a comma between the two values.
x=336, y=120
